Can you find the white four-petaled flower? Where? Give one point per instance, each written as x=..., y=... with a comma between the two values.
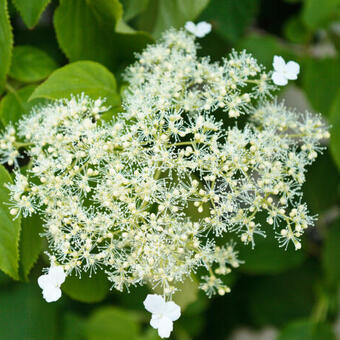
x=283, y=72
x=163, y=314
x=200, y=30
x=50, y=283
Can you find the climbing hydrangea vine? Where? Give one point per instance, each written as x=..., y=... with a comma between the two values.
x=149, y=196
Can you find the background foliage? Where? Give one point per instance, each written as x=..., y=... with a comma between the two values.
x=50, y=49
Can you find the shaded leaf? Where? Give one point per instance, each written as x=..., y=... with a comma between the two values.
x=282, y=298
x=316, y=13
x=30, y=64
x=27, y=315
x=267, y=257
x=321, y=90
x=30, y=243
x=31, y=10
x=88, y=30
x=87, y=289
x=163, y=14
x=321, y=191
x=109, y=323
x=133, y=7
x=9, y=230
x=331, y=254
x=230, y=18
x=335, y=130
x=306, y=330
x=15, y=104
x=6, y=43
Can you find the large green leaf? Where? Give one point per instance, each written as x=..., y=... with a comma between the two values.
x=88, y=29
x=321, y=191
x=15, y=104
x=25, y=315
x=163, y=14
x=321, y=82
x=263, y=47
x=230, y=18
x=83, y=76
x=266, y=257
x=133, y=7
x=6, y=43
x=87, y=289
x=282, y=298
x=30, y=243
x=331, y=254
x=31, y=10
x=307, y=330
x=30, y=64
x=316, y=13
x=9, y=230
x=109, y=323
x=335, y=130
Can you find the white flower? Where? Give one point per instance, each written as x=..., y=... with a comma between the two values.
x=283, y=71
x=163, y=314
x=200, y=30
x=51, y=283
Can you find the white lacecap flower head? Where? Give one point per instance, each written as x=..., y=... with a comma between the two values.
x=51, y=282
x=200, y=30
x=284, y=71
x=163, y=314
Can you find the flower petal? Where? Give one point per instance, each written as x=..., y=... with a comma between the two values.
x=172, y=310
x=154, y=303
x=292, y=70
x=165, y=327
x=154, y=322
x=57, y=274
x=45, y=281
x=191, y=27
x=279, y=64
x=202, y=29
x=279, y=79
x=51, y=294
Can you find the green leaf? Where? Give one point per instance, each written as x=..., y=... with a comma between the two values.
x=73, y=326
x=296, y=31
x=230, y=18
x=6, y=43
x=109, y=323
x=88, y=29
x=133, y=7
x=335, y=130
x=27, y=315
x=15, y=104
x=282, y=298
x=264, y=47
x=30, y=243
x=267, y=257
x=163, y=14
x=30, y=10
x=317, y=13
x=321, y=90
x=87, y=289
x=83, y=76
x=187, y=293
x=331, y=254
x=30, y=64
x=321, y=191
x=306, y=330
x=9, y=230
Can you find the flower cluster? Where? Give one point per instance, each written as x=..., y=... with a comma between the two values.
x=151, y=196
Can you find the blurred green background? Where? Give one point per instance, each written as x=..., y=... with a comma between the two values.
x=276, y=294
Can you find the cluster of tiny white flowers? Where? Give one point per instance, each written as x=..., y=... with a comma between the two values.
x=149, y=196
